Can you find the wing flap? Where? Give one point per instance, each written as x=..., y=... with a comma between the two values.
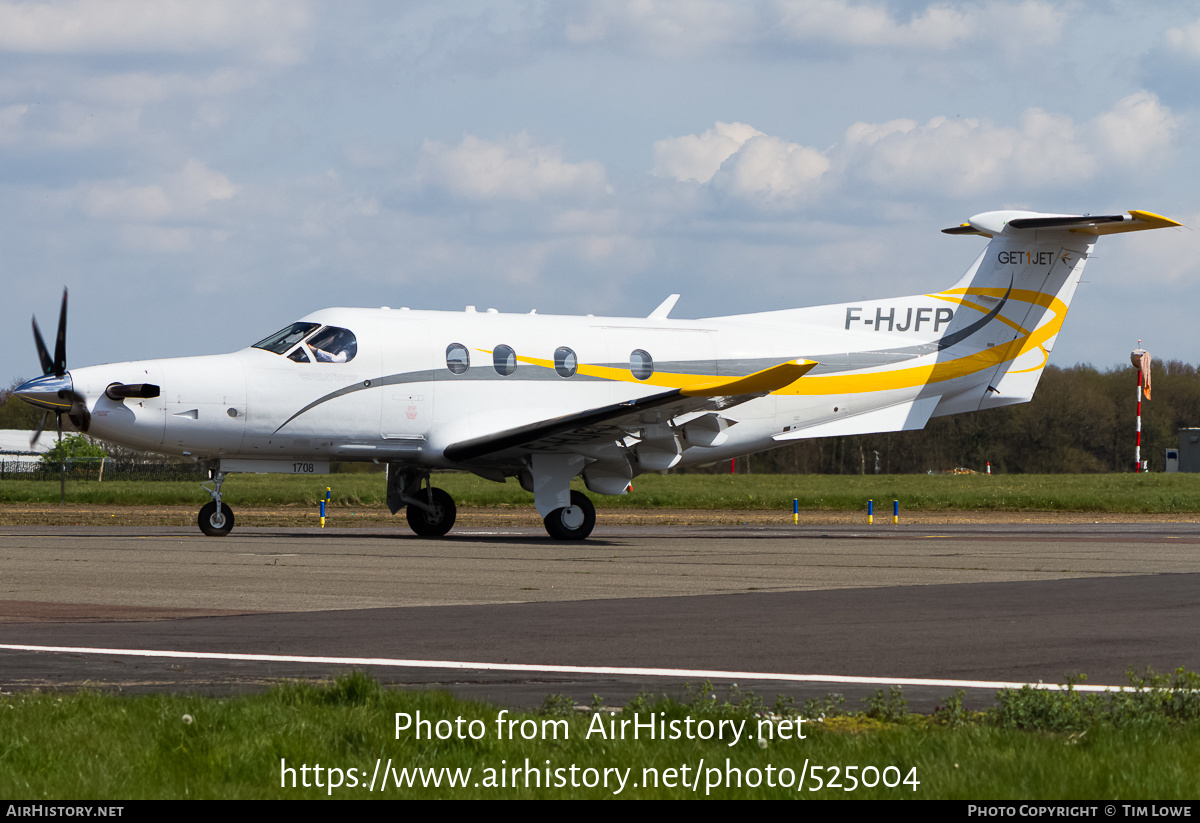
x=592, y=424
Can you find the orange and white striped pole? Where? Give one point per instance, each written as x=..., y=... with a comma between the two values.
x=1141, y=361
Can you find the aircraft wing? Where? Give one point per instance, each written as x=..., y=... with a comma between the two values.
x=614, y=422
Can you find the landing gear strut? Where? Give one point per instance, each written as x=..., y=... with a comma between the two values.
x=574, y=522
x=216, y=519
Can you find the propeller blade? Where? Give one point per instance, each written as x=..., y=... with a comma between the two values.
x=41, y=427
x=60, y=344
x=43, y=355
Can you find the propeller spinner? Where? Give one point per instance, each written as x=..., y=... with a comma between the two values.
x=54, y=391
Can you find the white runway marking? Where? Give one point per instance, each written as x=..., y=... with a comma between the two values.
x=524, y=667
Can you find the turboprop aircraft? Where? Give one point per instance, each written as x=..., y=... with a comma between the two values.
x=546, y=399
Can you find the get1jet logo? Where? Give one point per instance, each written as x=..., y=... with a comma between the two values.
x=1028, y=258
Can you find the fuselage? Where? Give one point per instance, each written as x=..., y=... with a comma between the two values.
x=420, y=381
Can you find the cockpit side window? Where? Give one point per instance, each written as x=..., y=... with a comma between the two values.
x=333, y=345
x=284, y=339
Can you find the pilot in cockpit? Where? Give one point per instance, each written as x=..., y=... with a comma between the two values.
x=333, y=345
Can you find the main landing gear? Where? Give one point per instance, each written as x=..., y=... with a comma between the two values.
x=574, y=522
x=567, y=514
x=430, y=511
x=216, y=519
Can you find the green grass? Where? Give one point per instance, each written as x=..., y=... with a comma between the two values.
x=94, y=746
x=1145, y=493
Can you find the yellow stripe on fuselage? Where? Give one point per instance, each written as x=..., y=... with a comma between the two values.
x=874, y=381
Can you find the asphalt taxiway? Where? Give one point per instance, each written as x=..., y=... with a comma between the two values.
x=990, y=603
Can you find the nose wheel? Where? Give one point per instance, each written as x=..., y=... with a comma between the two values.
x=574, y=522
x=216, y=518
x=216, y=523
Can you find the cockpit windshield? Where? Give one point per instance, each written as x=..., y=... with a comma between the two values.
x=284, y=339
x=302, y=343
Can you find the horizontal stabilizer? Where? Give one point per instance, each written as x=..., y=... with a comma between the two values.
x=992, y=223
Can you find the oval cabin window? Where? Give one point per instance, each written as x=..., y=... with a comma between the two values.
x=641, y=364
x=565, y=361
x=505, y=360
x=458, y=359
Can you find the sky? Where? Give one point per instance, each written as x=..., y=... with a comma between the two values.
x=201, y=174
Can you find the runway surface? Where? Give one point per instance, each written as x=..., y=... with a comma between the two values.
x=1012, y=603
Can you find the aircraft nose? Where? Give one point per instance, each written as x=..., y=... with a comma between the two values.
x=50, y=392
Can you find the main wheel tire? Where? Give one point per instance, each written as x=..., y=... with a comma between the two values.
x=574, y=522
x=433, y=523
x=214, y=525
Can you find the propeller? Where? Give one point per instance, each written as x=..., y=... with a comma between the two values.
x=54, y=391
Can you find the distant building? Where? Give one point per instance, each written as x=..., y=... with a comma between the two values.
x=1189, y=450
x=15, y=448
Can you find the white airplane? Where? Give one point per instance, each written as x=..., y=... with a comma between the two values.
x=546, y=399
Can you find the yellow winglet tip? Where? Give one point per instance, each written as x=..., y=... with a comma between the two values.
x=1151, y=217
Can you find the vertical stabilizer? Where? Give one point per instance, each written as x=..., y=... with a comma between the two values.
x=1024, y=282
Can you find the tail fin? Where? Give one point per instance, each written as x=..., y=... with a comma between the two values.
x=1022, y=286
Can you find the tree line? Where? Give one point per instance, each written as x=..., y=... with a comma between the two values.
x=1080, y=420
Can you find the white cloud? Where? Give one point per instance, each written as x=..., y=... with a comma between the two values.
x=771, y=170
x=951, y=157
x=742, y=161
x=12, y=120
x=872, y=24
x=513, y=169
x=1137, y=129
x=1158, y=257
x=698, y=156
x=146, y=237
x=183, y=194
x=964, y=157
x=1185, y=39
x=70, y=125
x=263, y=30
x=682, y=27
x=663, y=25
x=57, y=109
x=967, y=156
x=142, y=88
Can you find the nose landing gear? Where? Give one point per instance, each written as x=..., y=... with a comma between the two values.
x=216, y=519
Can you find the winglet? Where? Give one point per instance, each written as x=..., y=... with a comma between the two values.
x=664, y=308
x=760, y=382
